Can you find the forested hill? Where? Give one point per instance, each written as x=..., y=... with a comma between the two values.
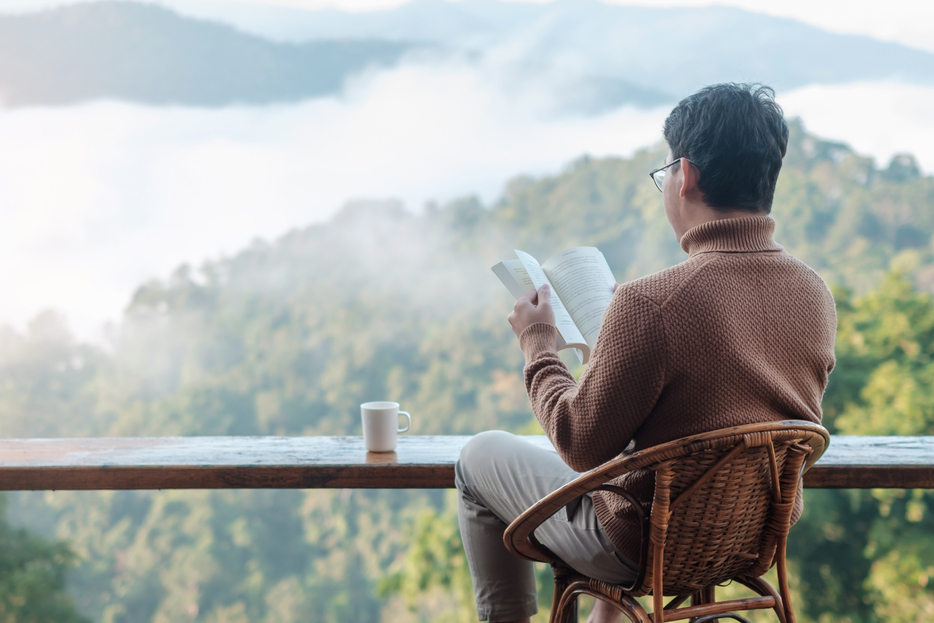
x=288, y=337
x=383, y=302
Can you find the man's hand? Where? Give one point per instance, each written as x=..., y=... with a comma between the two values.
x=534, y=306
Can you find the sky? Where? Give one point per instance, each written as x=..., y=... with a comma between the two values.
x=98, y=198
x=907, y=21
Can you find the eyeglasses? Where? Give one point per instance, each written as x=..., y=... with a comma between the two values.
x=658, y=175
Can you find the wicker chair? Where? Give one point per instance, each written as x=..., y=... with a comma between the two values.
x=721, y=511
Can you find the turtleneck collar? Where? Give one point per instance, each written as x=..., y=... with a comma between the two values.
x=749, y=234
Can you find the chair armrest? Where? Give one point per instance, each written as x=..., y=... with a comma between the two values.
x=817, y=448
x=519, y=537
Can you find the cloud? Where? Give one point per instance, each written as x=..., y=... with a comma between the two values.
x=877, y=119
x=96, y=199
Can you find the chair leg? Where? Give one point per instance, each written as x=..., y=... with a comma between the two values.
x=561, y=586
x=634, y=610
x=763, y=588
x=704, y=596
x=639, y=614
x=566, y=609
x=783, y=582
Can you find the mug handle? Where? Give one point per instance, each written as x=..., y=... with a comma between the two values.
x=409, y=424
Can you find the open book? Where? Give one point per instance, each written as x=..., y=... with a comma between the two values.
x=581, y=289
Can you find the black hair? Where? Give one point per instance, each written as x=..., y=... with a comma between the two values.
x=736, y=135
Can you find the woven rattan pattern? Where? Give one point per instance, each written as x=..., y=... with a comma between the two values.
x=717, y=532
x=721, y=511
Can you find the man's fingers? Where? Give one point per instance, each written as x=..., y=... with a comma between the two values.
x=524, y=301
x=532, y=307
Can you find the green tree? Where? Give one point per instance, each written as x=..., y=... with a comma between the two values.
x=866, y=555
x=289, y=336
x=32, y=577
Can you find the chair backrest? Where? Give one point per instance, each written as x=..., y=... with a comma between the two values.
x=723, y=504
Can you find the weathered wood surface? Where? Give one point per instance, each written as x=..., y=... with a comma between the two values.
x=874, y=463
x=420, y=462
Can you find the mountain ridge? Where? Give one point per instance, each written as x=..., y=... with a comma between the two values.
x=596, y=56
x=487, y=23
x=145, y=53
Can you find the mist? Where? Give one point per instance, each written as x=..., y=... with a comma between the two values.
x=99, y=198
x=876, y=119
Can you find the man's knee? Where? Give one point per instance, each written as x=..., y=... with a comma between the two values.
x=485, y=445
x=480, y=451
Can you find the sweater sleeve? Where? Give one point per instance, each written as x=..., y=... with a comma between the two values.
x=593, y=421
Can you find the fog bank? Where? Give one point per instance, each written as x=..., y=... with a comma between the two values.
x=96, y=199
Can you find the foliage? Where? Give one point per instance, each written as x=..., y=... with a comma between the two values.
x=32, y=577
x=867, y=554
x=289, y=337
x=434, y=562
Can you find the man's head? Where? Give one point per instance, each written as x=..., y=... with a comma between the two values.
x=736, y=136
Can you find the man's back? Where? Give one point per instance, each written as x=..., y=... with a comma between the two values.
x=739, y=333
x=749, y=332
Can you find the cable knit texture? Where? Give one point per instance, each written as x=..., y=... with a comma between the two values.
x=739, y=333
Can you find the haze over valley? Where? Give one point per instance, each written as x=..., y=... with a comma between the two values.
x=251, y=219
x=183, y=134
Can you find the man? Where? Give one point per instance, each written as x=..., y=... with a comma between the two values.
x=741, y=332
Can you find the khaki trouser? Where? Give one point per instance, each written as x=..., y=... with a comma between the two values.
x=498, y=477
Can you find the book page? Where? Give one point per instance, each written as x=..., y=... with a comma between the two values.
x=563, y=322
x=585, y=283
x=514, y=276
x=516, y=279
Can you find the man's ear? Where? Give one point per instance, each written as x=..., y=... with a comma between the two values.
x=689, y=177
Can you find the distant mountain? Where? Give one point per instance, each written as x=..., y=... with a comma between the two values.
x=672, y=50
x=150, y=54
x=587, y=56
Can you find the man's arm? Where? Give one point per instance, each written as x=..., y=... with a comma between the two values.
x=592, y=421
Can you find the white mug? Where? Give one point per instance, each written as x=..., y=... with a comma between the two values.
x=381, y=425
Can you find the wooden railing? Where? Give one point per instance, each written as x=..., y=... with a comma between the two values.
x=420, y=462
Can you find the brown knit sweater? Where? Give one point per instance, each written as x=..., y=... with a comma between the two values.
x=739, y=333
